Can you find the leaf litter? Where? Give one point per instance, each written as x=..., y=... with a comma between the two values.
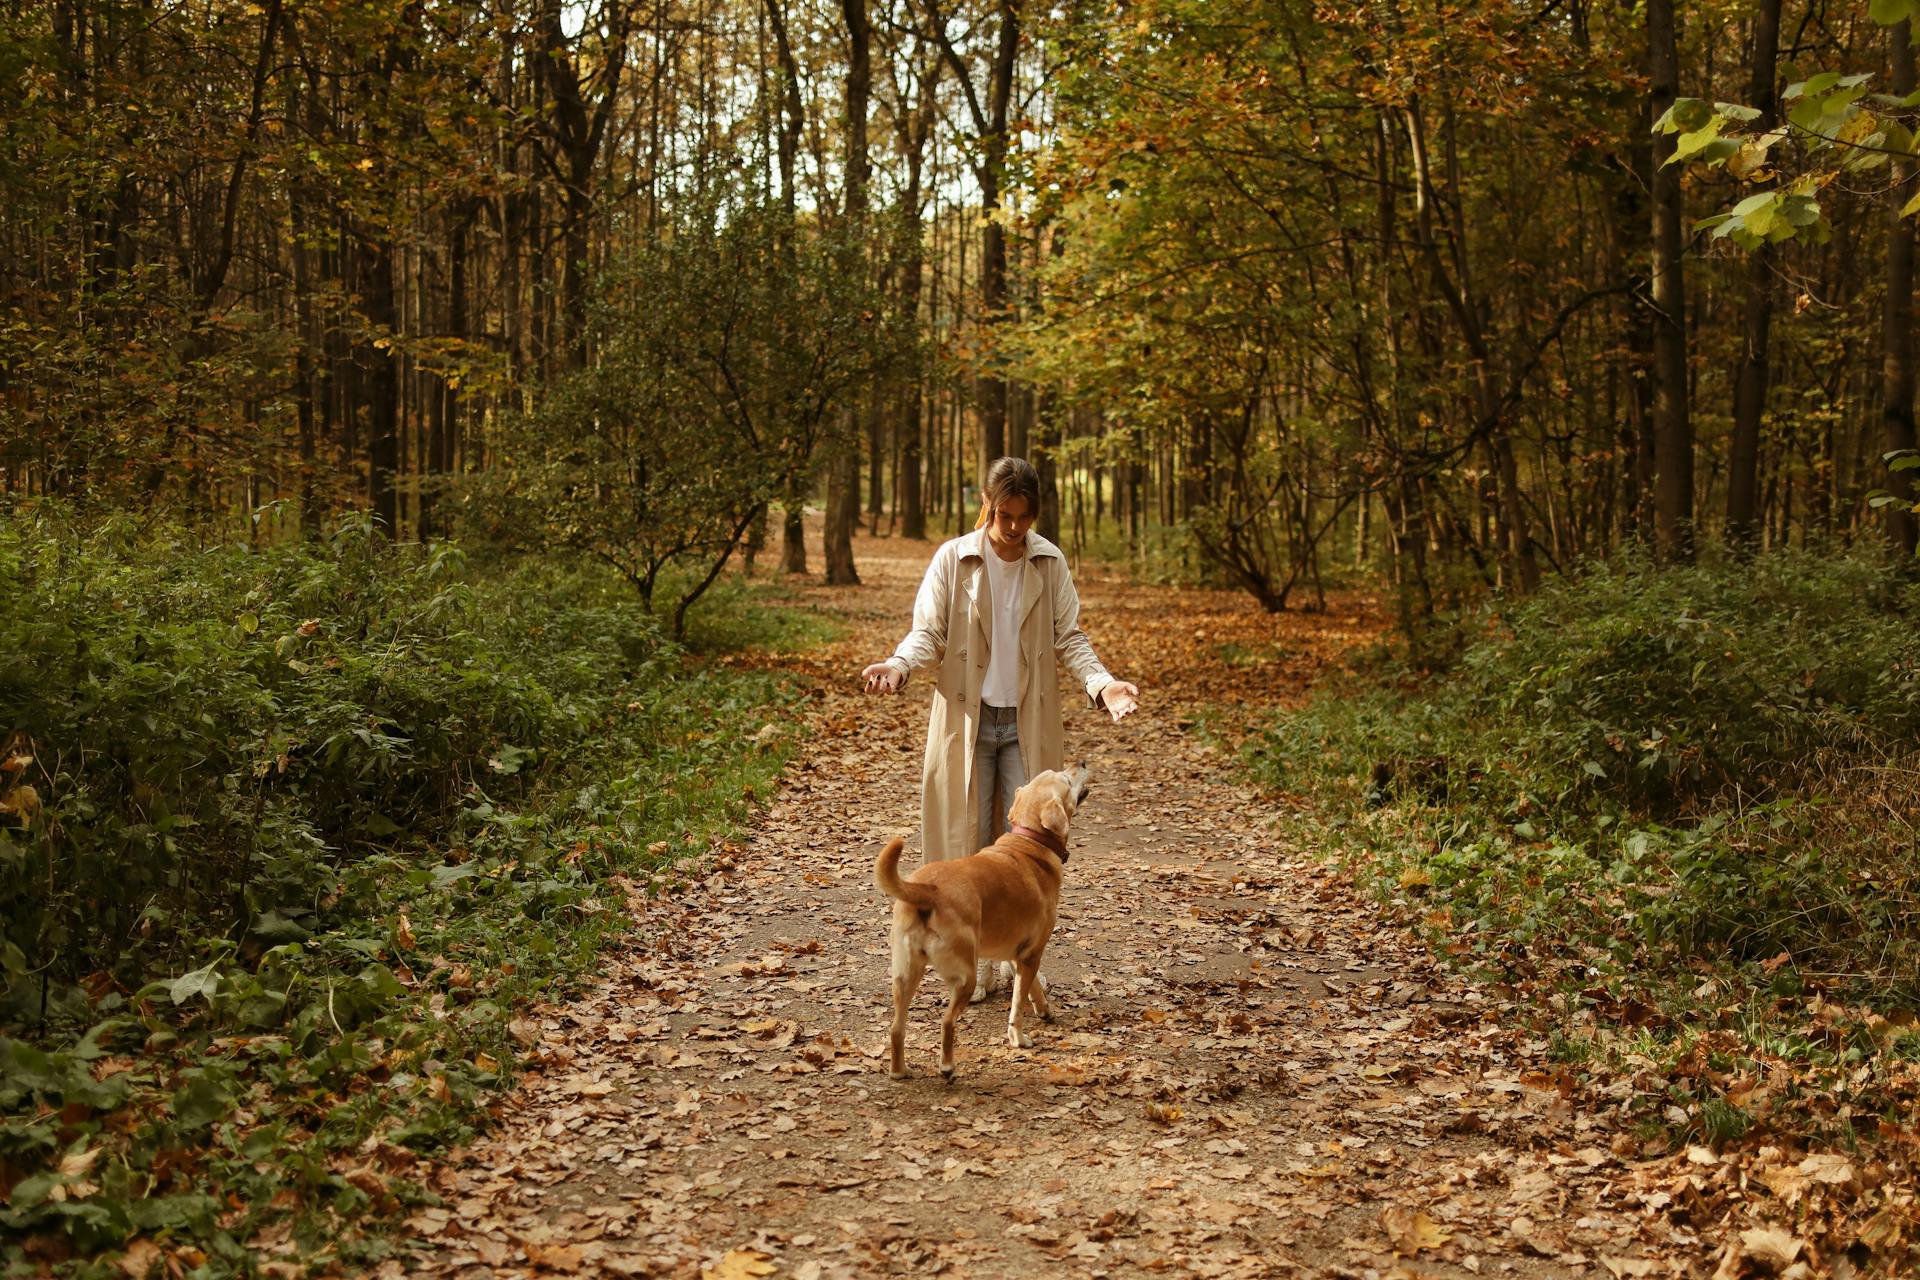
x=1253, y=1073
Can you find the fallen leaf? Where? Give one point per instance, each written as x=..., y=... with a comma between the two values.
x=141, y=1257
x=556, y=1257
x=1411, y=1230
x=740, y=1264
x=1773, y=1246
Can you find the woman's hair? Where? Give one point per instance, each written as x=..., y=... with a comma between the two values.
x=1009, y=478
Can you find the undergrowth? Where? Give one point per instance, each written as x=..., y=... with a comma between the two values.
x=1675, y=808
x=288, y=838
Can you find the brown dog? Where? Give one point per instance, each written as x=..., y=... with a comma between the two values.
x=997, y=904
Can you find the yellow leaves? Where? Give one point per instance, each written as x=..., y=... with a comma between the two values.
x=1163, y=1113
x=1411, y=1230
x=740, y=1264
x=403, y=933
x=22, y=802
x=1415, y=878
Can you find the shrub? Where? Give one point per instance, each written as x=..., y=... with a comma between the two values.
x=219, y=733
x=317, y=821
x=1644, y=768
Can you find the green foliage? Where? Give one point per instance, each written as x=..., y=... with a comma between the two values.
x=1646, y=691
x=730, y=351
x=1644, y=780
x=316, y=821
x=1838, y=125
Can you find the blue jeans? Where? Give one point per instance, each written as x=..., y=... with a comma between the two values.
x=996, y=765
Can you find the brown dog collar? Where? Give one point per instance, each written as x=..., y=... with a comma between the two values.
x=1046, y=838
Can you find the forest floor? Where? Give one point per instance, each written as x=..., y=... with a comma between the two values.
x=1252, y=1073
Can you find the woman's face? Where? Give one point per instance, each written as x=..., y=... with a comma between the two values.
x=1011, y=520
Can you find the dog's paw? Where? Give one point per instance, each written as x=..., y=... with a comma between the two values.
x=1018, y=1039
x=900, y=1075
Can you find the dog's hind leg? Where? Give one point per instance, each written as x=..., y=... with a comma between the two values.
x=1037, y=993
x=907, y=972
x=961, y=993
x=1026, y=986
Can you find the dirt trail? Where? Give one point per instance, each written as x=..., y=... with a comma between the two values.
x=1251, y=1075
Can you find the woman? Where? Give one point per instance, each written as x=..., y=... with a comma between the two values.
x=995, y=607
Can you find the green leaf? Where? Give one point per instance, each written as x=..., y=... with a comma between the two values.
x=205, y=1098
x=446, y=874
x=1685, y=115
x=1695, y=141
x=379, y=824
x=1813, y=86
x=201, y=982
x=277, y=928
x=1911, y=207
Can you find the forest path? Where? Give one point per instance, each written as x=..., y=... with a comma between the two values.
x=1251, y=1073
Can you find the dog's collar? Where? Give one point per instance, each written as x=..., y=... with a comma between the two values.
x=1042, y=837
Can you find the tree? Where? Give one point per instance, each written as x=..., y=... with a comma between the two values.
x=843, y=482
x=1672, y=424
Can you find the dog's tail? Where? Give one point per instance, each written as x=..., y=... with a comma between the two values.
x=886, y=874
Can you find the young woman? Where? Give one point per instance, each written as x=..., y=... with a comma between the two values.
x=995, y=607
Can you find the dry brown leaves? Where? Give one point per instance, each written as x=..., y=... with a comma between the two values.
x=1253, y=1072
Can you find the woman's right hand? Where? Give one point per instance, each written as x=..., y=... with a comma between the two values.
x=882, y=677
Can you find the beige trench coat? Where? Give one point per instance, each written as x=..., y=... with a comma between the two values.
x=953, y=631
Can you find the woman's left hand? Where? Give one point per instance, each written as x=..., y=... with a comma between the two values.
x=1120, y=699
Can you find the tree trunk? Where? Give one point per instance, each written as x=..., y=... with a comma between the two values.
x=1750, y=390
x=1897, y=319
x=379, y=378
x=1672, y=427
x=843, y=480
x=990, y=125
x=793, y=533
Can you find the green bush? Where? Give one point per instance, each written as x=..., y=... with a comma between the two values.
x=315, y=822
x=1659, y=689
x=1644, y=769
x=220, y=733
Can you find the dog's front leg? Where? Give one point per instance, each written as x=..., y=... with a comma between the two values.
x=1025, y=984
x=962, y=995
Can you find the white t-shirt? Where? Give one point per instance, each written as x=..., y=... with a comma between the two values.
x=1005, y=580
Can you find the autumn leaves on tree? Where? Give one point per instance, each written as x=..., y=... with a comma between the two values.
x=1468, y=295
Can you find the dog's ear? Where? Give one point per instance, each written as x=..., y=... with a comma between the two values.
x=1053, y=814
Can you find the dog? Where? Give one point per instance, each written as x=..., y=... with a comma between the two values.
x=998, y=904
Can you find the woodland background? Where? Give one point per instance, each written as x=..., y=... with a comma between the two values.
x=1415, y=289
x=387, y=389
